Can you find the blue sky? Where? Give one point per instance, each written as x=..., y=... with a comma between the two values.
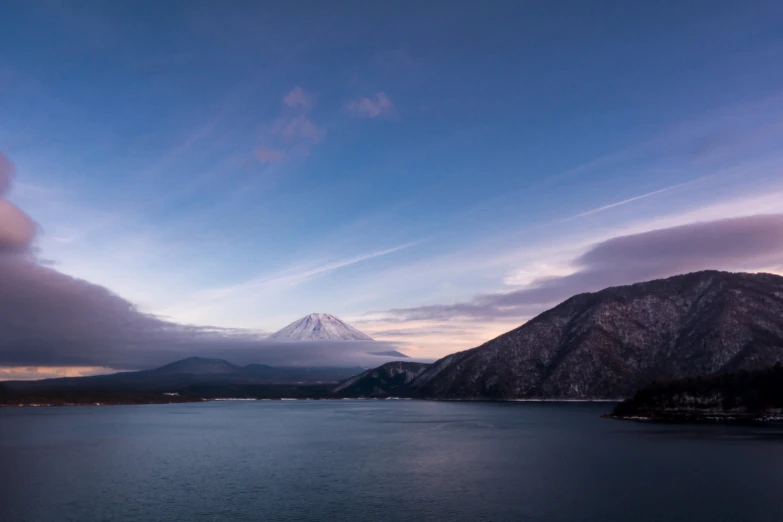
x=242, y=164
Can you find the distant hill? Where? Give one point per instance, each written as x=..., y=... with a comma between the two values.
x=189, y=372
x=195, y=366
x=744, y=395
x=385, y=380
x=319, y=327
x=609, y=343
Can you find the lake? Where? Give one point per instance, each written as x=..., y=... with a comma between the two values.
x=379, y=460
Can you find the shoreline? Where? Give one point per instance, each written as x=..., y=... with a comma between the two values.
x=699, y=418
x=303, y=399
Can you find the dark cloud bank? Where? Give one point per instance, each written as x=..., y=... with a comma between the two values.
x=738, y=244
x=50, y=319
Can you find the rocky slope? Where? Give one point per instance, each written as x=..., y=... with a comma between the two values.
x=319, y=327
x=609, y=343
x=389, y=379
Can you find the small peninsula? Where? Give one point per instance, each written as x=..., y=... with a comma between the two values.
x=742, y=396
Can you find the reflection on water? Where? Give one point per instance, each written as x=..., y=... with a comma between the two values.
x=716, y=432
x=379, y=460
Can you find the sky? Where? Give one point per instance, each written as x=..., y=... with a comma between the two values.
x=434, y=173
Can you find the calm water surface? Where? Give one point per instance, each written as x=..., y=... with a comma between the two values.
x=379, y=460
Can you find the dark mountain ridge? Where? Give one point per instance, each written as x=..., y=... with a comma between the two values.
x=388, y=379
x=606, y=344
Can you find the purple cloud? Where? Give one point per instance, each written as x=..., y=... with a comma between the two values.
x=17, y=230
x=292, y=133
x=297, y=128
x=297, y=98
x=269, y=155
x=6, y=173
x=51, y=319
x=745, y=244
x=377, y=106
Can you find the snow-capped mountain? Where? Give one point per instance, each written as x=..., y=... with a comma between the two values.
x=319, y=327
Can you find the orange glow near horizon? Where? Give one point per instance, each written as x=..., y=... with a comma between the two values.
x=33, y=373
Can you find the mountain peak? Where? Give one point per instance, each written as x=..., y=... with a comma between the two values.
x=320, y=327
x=322, y=316
x=608, y=343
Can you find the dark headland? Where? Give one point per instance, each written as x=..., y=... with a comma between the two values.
x=743, y=396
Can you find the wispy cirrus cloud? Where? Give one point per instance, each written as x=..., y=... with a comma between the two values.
x=623, y=202
x=627, y=201
x=277, y=281
x=377, y=106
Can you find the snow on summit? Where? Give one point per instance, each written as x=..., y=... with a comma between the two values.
x=319, y=327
